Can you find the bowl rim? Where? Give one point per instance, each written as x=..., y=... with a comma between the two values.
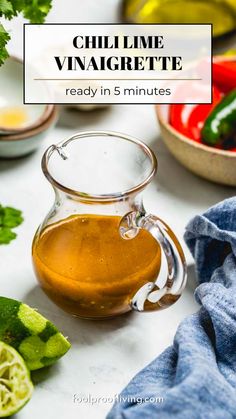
x=33, y=132
x=48, y=109
x=184, y=138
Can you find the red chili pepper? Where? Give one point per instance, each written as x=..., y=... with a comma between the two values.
x=199, y=115
x=179, y=116
x=189, y=119
x=224, y=75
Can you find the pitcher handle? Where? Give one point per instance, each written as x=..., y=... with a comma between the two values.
x=171, y=280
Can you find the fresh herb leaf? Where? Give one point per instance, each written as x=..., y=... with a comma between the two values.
x=6, y=9
x=4, y=38
x=6, y=235
x=18, y=5
x=33, y=10
x=37, y=11
x=12, y=217
x=9, y=218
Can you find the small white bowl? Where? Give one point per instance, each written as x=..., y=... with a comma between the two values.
x=18, y=145
x=11, y=97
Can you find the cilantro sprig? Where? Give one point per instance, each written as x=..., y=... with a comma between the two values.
x=9, y=218
x=33, y=10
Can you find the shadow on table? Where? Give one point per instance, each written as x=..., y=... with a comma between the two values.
x=173, y=178
x=191, y=280
x=76, y=119
x=43, y=374
x=79, y=332
x=10, y=164
x=89, y=331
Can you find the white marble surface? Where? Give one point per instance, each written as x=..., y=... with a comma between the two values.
x=106, y=354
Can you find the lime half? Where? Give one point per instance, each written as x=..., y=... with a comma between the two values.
x=37, y=340
x=15, y=385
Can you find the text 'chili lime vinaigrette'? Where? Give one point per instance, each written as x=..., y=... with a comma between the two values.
x=98, y=254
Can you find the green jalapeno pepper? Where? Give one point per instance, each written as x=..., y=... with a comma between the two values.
x=220, y=127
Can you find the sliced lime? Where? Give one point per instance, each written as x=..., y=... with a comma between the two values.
x=37, y=340
x=15, y=384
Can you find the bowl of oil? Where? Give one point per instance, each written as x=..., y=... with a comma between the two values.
x=22, y=127
x=24, y=143
x=15, y=117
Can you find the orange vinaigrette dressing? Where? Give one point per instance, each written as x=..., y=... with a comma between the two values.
x=87, y=268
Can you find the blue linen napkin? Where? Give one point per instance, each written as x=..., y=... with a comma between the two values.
x=196, y=376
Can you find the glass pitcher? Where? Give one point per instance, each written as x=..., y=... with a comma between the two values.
x=98, y=253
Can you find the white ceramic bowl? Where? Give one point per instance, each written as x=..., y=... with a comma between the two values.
x=11, y=97
x=18, y=145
